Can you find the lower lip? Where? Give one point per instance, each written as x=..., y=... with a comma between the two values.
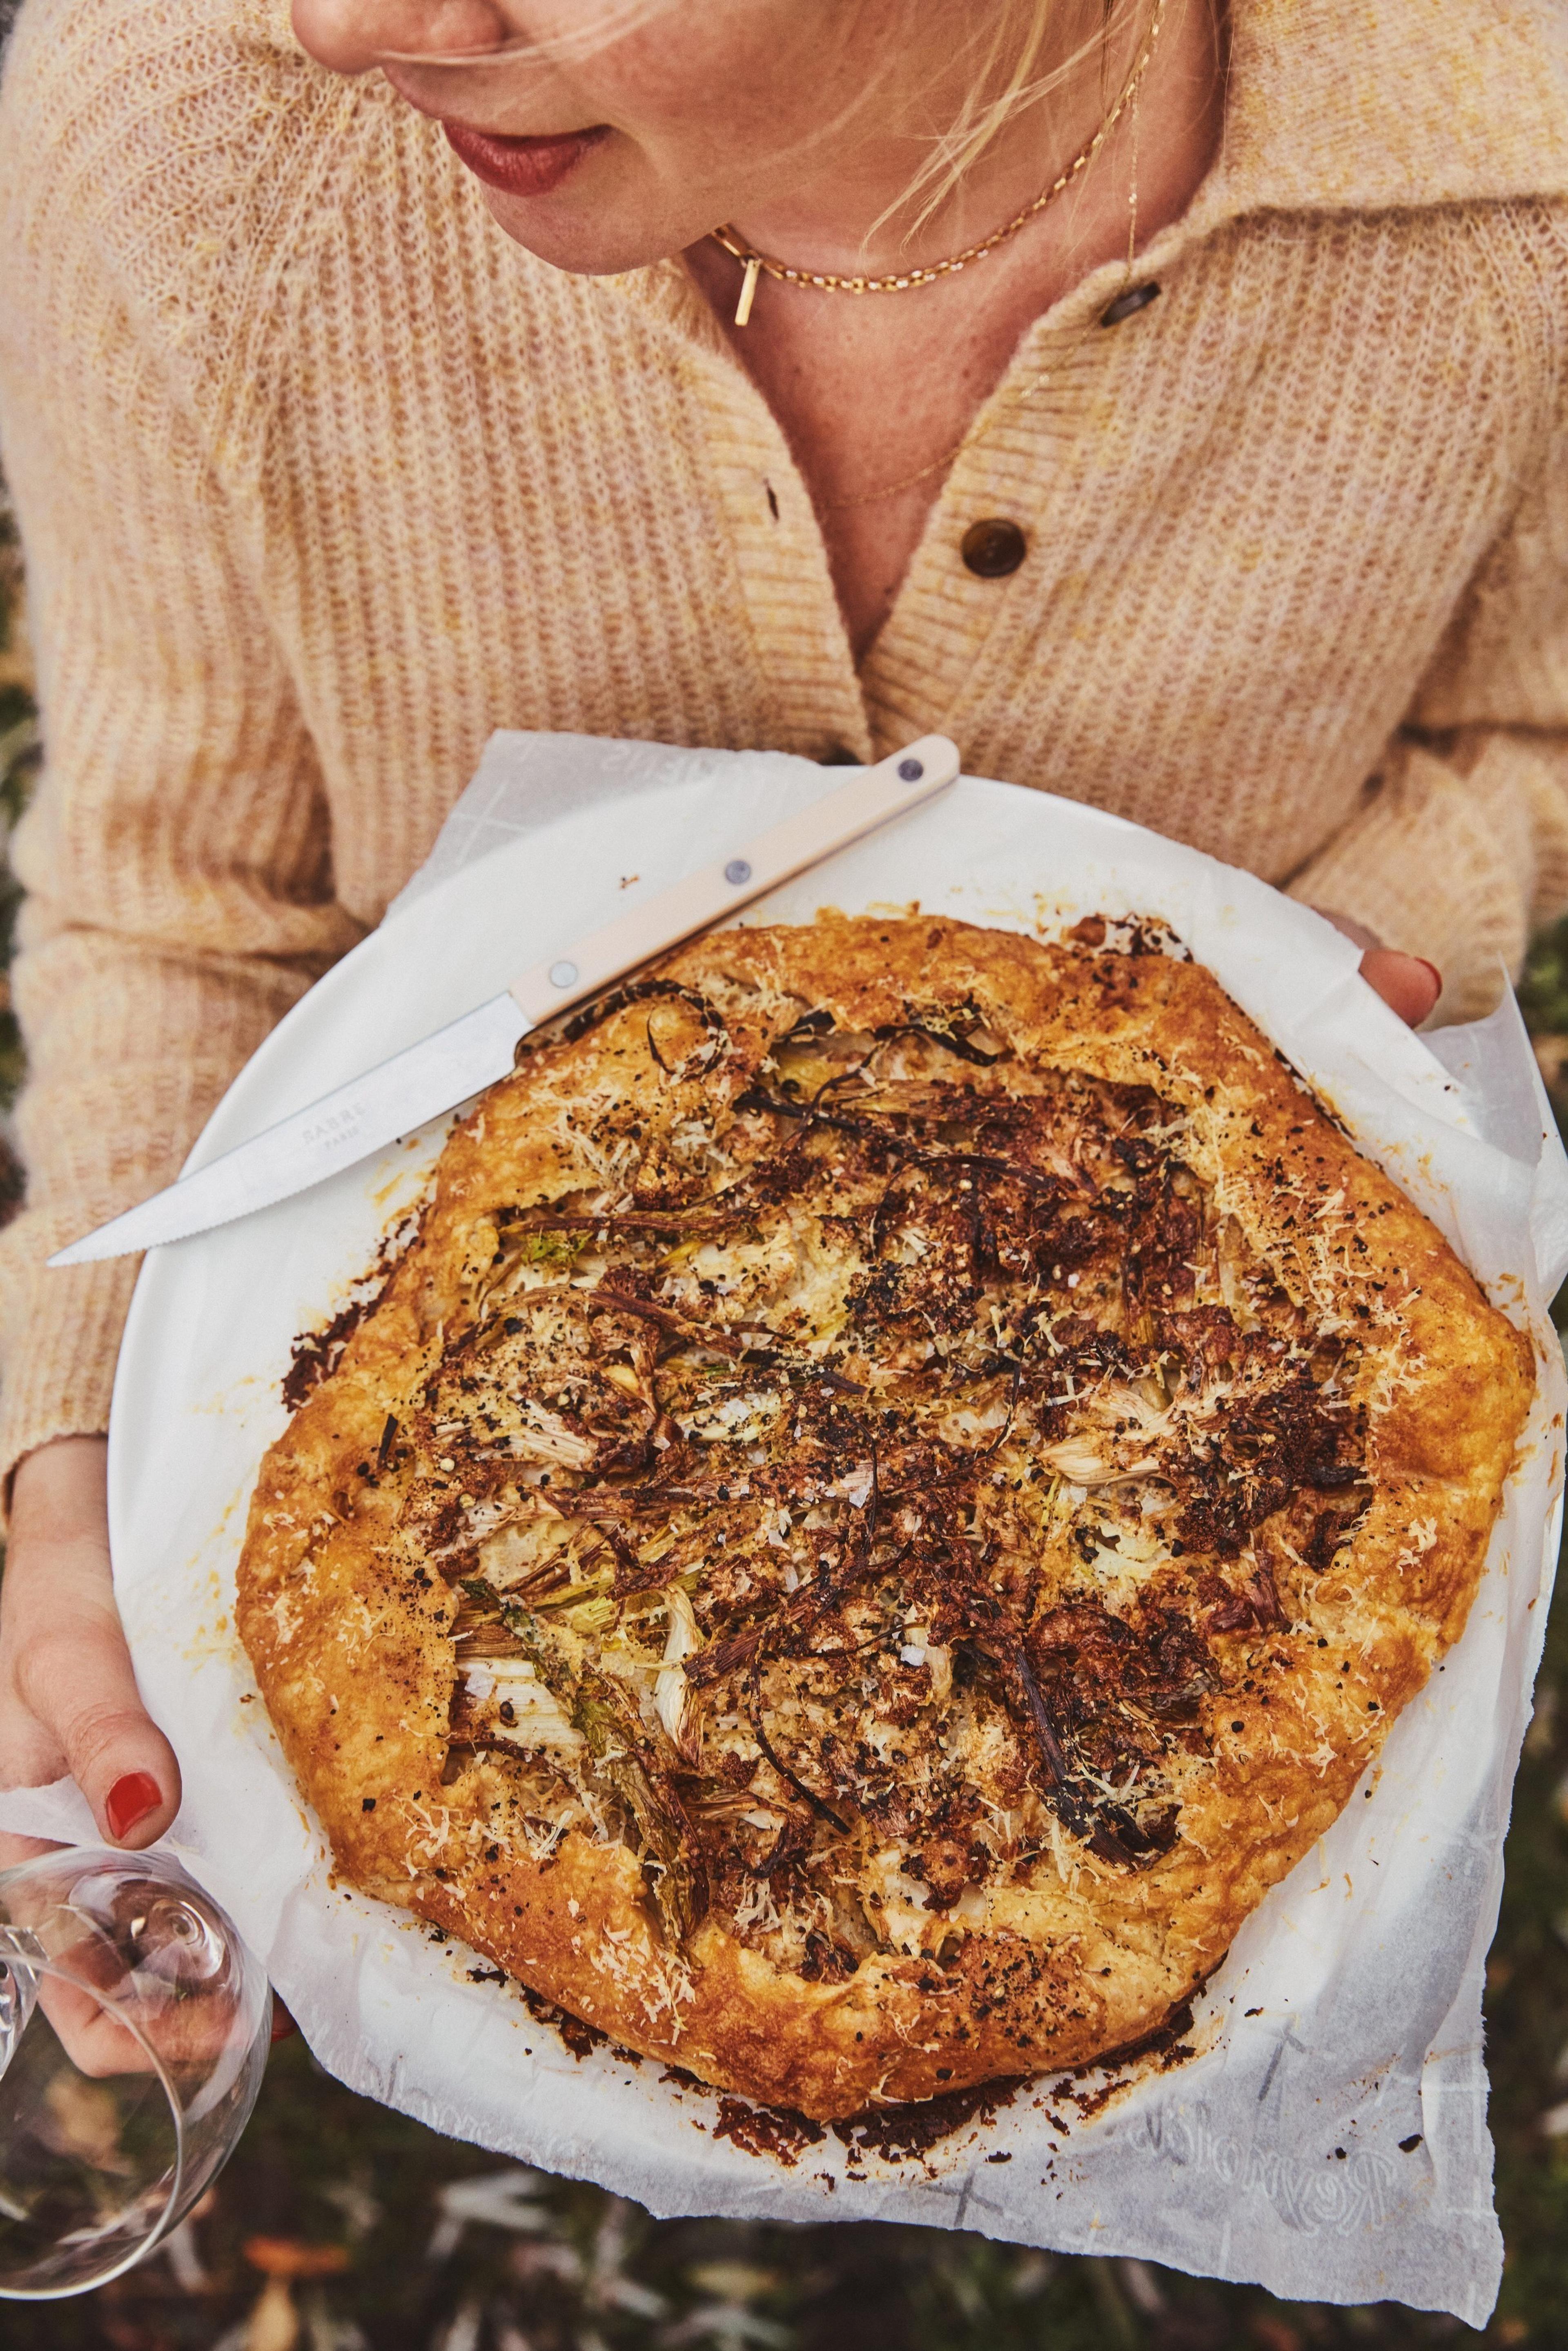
x=522, y=167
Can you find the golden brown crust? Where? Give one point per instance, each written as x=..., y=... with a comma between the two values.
x=1149, y=1691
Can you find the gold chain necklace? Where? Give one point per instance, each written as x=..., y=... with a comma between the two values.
x=826, y=281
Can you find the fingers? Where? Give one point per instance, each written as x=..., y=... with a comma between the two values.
x=1408, y=985
x=96, y=2040
x=68, y=1691
x=76, y=1679
x=74, y=1675
x=1348, y=928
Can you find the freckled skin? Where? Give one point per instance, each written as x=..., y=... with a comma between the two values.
x=898, y=1487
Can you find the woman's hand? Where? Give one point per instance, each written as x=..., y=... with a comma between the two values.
x=1407, y=984
x=69, y=1700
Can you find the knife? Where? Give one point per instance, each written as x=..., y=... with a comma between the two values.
x=470, y=1053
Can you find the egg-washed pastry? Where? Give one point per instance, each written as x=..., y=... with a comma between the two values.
x=896, y=1490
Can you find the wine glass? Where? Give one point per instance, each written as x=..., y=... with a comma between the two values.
x=134, y=2027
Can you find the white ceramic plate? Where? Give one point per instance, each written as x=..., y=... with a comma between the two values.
x=197, y=1401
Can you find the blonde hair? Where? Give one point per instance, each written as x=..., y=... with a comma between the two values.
x=1010, y=58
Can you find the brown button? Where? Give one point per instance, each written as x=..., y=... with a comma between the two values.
x=993, y=548
x=1127, y=305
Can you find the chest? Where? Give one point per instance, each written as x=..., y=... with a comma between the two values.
x=1229, y=532
x=875, y=396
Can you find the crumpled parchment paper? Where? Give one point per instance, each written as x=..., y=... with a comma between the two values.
x=1327, y=2135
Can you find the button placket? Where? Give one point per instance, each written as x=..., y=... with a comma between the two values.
x=923, y=667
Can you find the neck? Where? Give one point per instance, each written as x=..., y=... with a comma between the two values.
x=851, y=214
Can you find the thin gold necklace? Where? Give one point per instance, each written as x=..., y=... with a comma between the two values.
x=826, y=281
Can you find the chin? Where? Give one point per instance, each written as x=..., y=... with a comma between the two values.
x=600, y=245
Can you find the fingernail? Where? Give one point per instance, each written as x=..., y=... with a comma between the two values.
x=1436, y=975
x=130, y=1799
x=283, y=2024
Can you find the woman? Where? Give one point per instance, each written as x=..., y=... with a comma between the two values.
x=374, y=381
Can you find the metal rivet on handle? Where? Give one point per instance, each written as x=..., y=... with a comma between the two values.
x=910, y=770
x=562, y=975
x=738, y=871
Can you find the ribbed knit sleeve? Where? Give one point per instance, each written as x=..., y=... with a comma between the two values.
x=1460, y=847
x=1456, y=858
x=176, y=855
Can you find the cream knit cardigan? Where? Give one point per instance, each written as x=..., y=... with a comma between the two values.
x=322, y=479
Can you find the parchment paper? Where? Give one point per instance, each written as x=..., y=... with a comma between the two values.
x=1328, y=2136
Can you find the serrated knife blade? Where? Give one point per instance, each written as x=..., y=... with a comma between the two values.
x=470, y=1053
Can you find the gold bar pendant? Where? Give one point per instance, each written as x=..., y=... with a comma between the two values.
x=747, y=291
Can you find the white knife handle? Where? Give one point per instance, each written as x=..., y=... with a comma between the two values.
x=914, y=775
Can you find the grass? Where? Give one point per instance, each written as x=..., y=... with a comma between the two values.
x=375, y=2206
x=18, y=758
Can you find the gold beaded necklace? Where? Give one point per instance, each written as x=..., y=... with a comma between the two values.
x=826, y=281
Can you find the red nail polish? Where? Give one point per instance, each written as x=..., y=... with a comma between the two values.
x=130, y=1799
x=1437, y=975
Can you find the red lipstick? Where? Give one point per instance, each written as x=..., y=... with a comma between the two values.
x=522, y=167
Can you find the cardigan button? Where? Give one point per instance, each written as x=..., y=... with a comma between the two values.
x=993, y=548
x=1127, y=305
